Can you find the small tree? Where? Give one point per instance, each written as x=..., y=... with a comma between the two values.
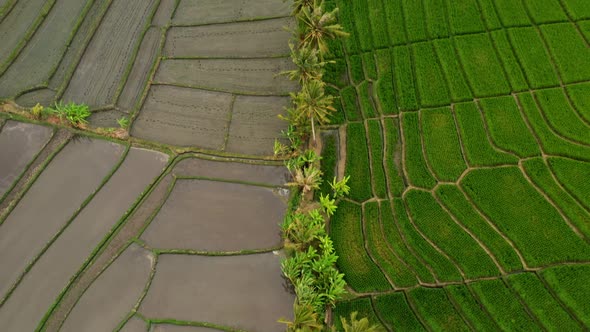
x=358, y=325
x=312, y=104
x=318, y=26
x=308, y=64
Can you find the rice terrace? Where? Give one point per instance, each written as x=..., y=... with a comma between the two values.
x=301, y=165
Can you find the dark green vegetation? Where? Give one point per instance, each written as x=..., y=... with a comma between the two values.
x=470, y=205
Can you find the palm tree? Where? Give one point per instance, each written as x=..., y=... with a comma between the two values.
x=298, y=5
x=358, y=325
x=308, y=63
x=318, y=26
x=312, y=104
x=306, y=319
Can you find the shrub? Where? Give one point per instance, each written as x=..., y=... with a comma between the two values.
x=75, y=114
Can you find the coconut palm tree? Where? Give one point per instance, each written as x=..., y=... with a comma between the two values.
x=317, y=26
x=306, y=320
x=308, y=65
x=312, y=105
x=298, y=5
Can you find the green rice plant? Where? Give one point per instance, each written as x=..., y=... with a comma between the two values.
x=345, y=308
x=435, y=309
x=540, y=302
x=540, y=174
x=550, y=142
x=440, y=265
x=489, y=14
x=414, y=19
x=335, y=73
x=547, y=11
x=367, y=106
x=384, y=86
x=572, y=286
x=564, y=120
x=573, y=174
x=585, y=28
x=351, y=44
x=349, y=101
x=358, y=325
x=432, y=85
x=533, y=57
x=378, y=23
x=393, y=155
x=512, y=13
x=329, y=162
x=346, y=231
x=395, y=312
x=357, y=162
x=395, y=21
x=337, y=117
x=436, y=20
x=456, y=202
x=370, y=66
x=356, y=69
x=75, y=114
x=473, y=311
x=123, y=122
x=405, y=90
x=484, y=70
x=570, y=51
x=437, y=225
x=441, y=143
x=515, y=73
x=362, y=21
x=503, y=305
x=393, y=236
x=464, y=17
x=458, y=86
x=524, y=216
x=577, y=9
x=580, y=97
x=507, y=127
x=416, y=168
x=397, y=272
x=376, y=149
x=318, y=27
x=476, y=145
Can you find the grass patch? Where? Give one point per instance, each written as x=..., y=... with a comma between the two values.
x=580, y=96
x=393, y=155
x=532, y=291
x=436, y=224
x=471, y=308
x=360, y=272
x=512, y=13
x=442, y=143
x=573, y=174
x=431, y=81
x=442, y=267
x=377, y=245
x=516, y=76
x=357, y=162
x=572, y=286
x=560, y=116
x=533, y=57
x=416, y=168
x=550, y=142
x=396, y=312
x=376, y=150
x=478, y=150
x=540, y=174
x=459, y=206
x=404, y=78
x=503, y=306
x=507, y=127
x=524, y=216
x=483, y=68
x=436, y=310
x=569, y=50
x=546, y=11
x=464, y=16
x=460, y=90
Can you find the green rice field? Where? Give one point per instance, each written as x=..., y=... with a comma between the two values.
x=466, y=132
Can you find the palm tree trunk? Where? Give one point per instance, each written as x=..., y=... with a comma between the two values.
x=313, y=130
